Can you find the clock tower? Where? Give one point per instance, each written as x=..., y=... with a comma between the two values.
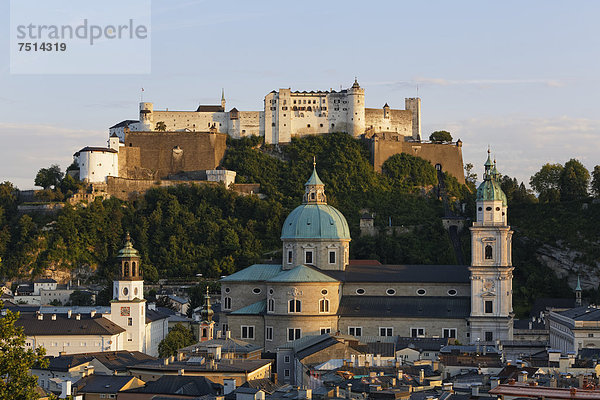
x=491, y=263
x=128, y=307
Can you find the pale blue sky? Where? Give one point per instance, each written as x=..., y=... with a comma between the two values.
x=519, y=76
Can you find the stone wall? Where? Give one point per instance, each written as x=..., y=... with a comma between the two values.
x=126, y=189
x=449, y=155
x=165, y=153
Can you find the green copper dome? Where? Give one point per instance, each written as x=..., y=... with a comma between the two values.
x=490, y=189
x=128, y=251
x=315, y=221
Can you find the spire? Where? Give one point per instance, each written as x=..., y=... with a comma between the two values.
x=488, y=167
x=355, y=85
x=314, y=192
x=223, y=98
x=578, y=287
x=206, y=313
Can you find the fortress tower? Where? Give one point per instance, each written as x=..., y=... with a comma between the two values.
x=491, y=264
x=356, y=110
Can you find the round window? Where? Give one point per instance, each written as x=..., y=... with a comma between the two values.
x=497, y=208
x=125, y=291
x=271, y=291
x=480, y=208
x=256, y=290
x=324, y=292
x=391, y=292
x=227, y=290
x=488, y=209
x=360, y=291
x=421, y=292
x=452, y=292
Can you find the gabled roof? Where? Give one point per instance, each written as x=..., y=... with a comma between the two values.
x=180, y=385
x=103, y=383
x=257, y=308
x=209, y=108
x=63, y=325
x=113, y=360
x=124, y=123
x=154, y=315
x=227, y=345
x=371, y=272
x=255, y=272
x=302, y=273
x=45, y=280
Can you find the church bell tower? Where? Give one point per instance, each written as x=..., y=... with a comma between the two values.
x=128, y=307
x=491, y=263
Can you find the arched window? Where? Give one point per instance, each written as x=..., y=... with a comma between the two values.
x=488, y=252
x=126, y=269
x=204, y=332
x=133, y=268
x=324, y=306
x=270, y=305
x=294, y=306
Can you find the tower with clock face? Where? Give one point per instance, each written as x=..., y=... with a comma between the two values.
x=491, y=268
x=128, y=307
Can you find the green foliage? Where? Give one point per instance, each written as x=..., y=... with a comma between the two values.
x=16, y=361
x=574, y=181
x=516, y=193
x=177, y=338
x=440, y=136
x=49, y=177
x=408, y=172
x=81, y=298
x=470, y=177
x=595, y=186
x=546, y=182
x=161, y=126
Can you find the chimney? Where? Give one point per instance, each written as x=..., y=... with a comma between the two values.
x=166, y=361
x=421, y=376
x=494, y=381
x=65, y=389
x=523, y=376
x=53, y=317
x=337, y=392
x=393, y=382
x=400, y=375
x=475, y=389
x=447, y=387
x=229, y=386
x=181, y=372
x=349, y=391
x=304, y=394
x=171, y=359
x=92, y=313
x=69, y=312
x=61, y=353
x=78, y=316
x=40, y=316
x=228, y=335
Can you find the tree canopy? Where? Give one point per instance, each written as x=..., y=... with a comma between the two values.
x=574, y=181
x=440, y=136
x=177, y=338
x=49, y=177
x=16, y=360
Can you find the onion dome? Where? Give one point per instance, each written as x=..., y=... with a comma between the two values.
x=206, y=313
x=128, y=251
x=490, y=189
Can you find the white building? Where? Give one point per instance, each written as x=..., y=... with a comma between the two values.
x=128, y=326
x=286, y=114
x=574, y=329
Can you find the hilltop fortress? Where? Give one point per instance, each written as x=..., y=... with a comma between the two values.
x=165, y=147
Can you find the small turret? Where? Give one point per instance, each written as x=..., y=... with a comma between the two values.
x=578, y=293
x=314, y=188
x=206, y=313
x=223, y=99
x=206, y=324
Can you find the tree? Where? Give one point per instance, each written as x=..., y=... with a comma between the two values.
x=470, y=176
x=596, y=181
x=49, y=177
x=574, y=181
x=440, y=136
x=179, y=337
x=16, y=361
x=164, y=302
x=546, y=182
x=408, y=171
x=81, y=298
x=161, y=126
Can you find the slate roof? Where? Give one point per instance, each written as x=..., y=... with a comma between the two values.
x=543, y=304
x=209, y=108
x=90, y=148
x=154, y=315
x=103, y=383
x=257, y=308
x=124, y=123
x=371, y=272
x=227, y=345
x=405, y=306
x=255, y=272
x=67, y=326
x=266, y=385
x=315, y=348
x=524, y=324
x=180, y=385
x=301, y=273
x=45, y=280
x=113, y=360
x=584, y=313
x=237, y=365
x=421, y=344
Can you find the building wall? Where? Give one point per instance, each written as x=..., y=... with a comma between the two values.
x=449, y=156
x=73, y=344
x=402, y=326
x=156, y=331
x=125, y=189
x=95, y=166
x=406, y=288
x=320, y=250
x=395, y=121
x=167, y=153
x=62, y=295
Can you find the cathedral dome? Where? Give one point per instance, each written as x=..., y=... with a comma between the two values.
x=314, y=219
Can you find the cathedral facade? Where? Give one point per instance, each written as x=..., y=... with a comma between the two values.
x=317, y=289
